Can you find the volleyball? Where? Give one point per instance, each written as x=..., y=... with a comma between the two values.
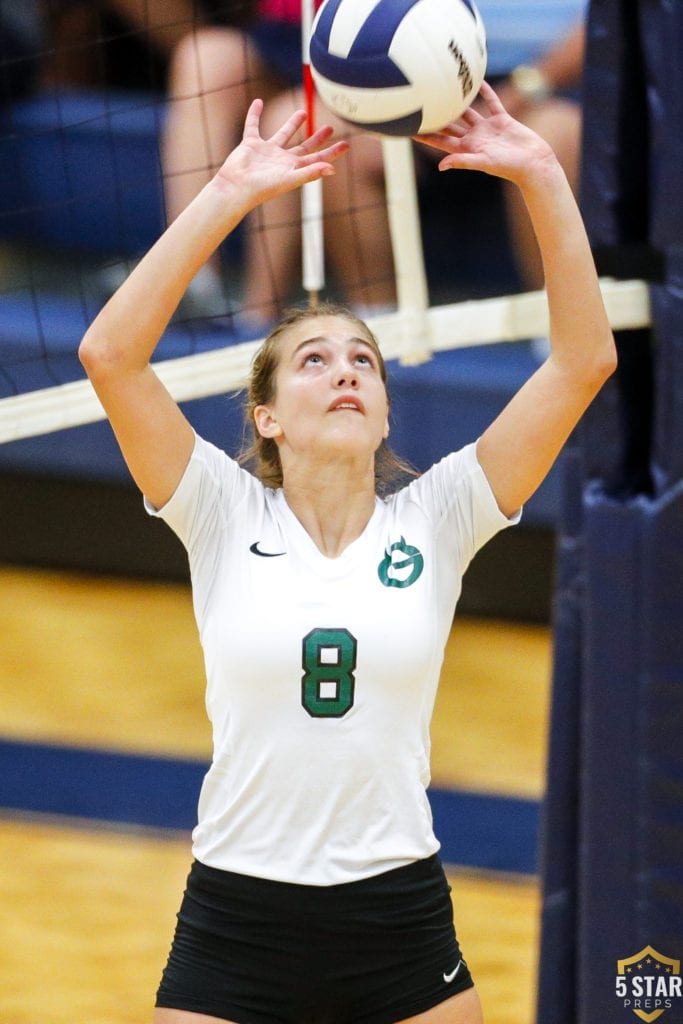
x=398, y=67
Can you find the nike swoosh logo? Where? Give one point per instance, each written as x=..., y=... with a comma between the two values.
x=448, y=978
x=265, y=554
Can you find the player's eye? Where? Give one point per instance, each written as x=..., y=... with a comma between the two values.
x=365, y=359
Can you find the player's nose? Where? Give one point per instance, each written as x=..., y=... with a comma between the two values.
x=345, y=374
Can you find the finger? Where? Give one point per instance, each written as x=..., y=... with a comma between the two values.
x=252, y=121
x=441, y=140
x=454, y=130
x=470, y=117
x=327, y=155
x=437, y=140
x=461, y=161
x=291, y=126
x=314, y=141
x=311, y=172
x=491, y=98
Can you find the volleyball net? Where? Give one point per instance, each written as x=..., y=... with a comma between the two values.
x=84, y=170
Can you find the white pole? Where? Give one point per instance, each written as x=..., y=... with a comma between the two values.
x=312, y=238
x=406, y=242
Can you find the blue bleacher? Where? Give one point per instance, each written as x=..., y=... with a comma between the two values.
x=82, y=171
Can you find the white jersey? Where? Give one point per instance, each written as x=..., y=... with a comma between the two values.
x=322, y=673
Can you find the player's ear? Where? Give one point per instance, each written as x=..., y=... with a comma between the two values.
x=265, y=422
x=385, y=435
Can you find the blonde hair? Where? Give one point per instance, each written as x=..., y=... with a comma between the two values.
x=261, y=453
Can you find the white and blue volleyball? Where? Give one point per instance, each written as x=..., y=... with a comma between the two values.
x=398, y=67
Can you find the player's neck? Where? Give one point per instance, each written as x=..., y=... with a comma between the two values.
x=334, y=506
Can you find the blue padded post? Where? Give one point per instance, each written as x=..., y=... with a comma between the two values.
x=630, y=857
x=661, y=33
x=559, y=814
x=616, y=198
x=614, y=192
x=667, y=311
x=606, y=853
x=612, y=851
x=659, y=825
x=559, y=835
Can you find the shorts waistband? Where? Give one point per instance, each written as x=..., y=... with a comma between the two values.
x=216, y=882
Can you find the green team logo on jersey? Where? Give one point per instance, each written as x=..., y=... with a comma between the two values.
x=401, y=565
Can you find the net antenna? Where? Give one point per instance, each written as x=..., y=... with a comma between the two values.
x=312, y=230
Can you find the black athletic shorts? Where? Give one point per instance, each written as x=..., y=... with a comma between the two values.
x=256, y=951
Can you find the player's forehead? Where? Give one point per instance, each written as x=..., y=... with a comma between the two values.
x=334, y=329
x=323, y=322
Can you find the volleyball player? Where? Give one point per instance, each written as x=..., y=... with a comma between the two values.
x=316, y=892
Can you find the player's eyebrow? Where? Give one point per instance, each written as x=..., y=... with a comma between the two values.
x=323, y=339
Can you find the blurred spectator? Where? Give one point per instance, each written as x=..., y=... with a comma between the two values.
x=215, y=57
x=125, y=43
x=545, y=96
x=214, y=74
x=21, y=43
x=535, y=63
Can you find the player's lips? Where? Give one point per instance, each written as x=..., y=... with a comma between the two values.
x=347, y=402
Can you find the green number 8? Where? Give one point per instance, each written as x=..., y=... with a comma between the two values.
x=328, y=682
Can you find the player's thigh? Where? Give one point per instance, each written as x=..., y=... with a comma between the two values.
x=464, y=1008
x=164, y=1016
x=214, y=59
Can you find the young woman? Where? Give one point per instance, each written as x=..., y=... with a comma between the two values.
x=316, y=893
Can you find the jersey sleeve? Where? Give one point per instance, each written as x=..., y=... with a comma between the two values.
x=457, y=496
x=211, y=488
x=214, y=495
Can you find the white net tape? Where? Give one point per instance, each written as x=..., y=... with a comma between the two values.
x=408, y=335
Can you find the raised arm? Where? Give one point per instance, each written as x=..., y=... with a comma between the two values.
x=154, y=436
x=518, y=449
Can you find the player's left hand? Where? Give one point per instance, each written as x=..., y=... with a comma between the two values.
x=490, y=140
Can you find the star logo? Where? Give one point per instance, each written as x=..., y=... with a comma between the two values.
x=648, y=983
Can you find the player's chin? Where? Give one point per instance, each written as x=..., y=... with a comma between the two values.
x=353, y=437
